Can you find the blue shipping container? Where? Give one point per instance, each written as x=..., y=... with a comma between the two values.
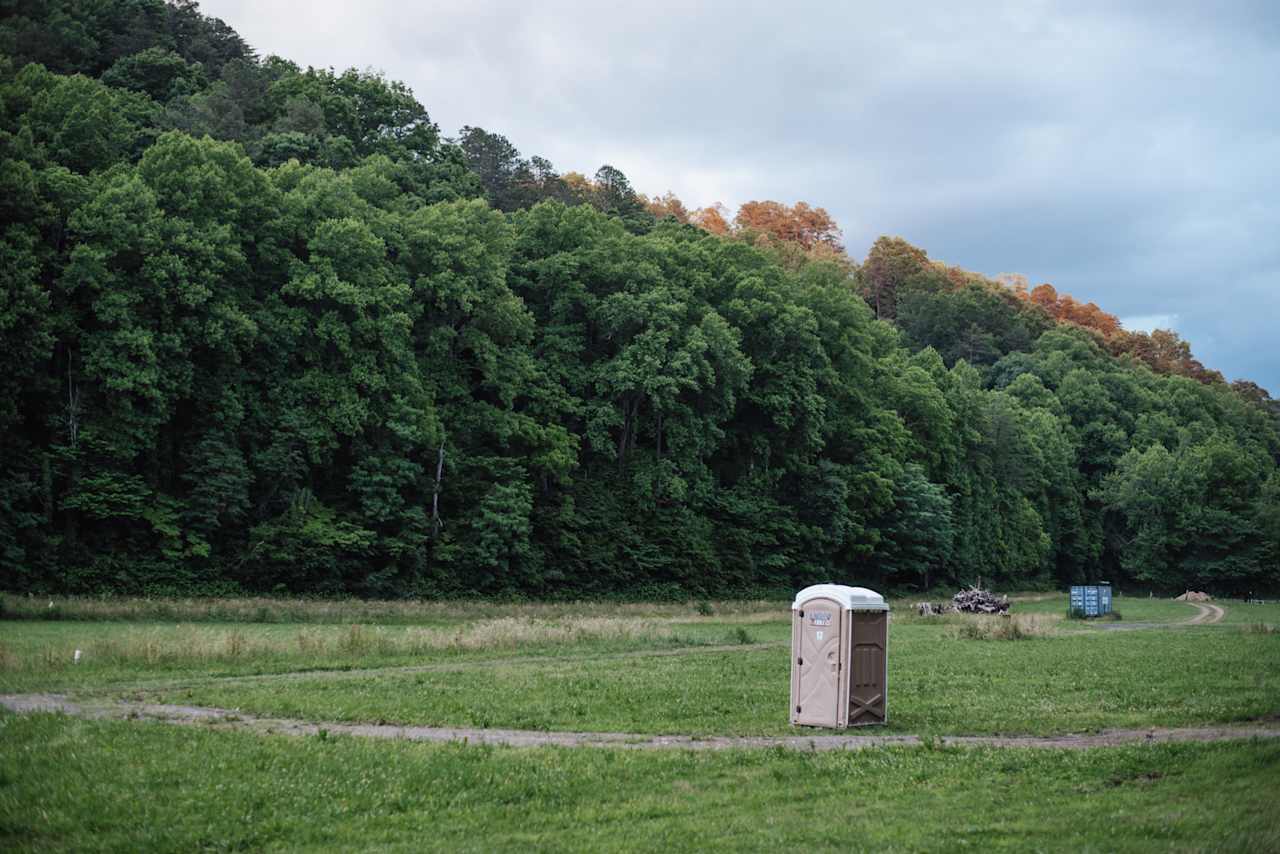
x=1091, y=600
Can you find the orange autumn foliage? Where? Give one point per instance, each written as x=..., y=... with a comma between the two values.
x=800, y=224
x=711, y=219
x=1161, y=350
x=1063, y=307
x=667, y=206
x=1164, y=352
x=579, y=185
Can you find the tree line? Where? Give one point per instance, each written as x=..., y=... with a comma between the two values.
x=264, y=328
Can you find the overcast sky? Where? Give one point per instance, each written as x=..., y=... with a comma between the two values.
x=1130, y=157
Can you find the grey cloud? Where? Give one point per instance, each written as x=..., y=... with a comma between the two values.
x=1129, y=155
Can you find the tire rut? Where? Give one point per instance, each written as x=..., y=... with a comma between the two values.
x=1205, y=615
x=1208, y=614
x=411, y=669
x=226, y=719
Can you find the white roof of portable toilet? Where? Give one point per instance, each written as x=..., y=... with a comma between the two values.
x=850, y=598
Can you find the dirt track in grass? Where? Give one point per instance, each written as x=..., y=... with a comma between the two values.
x=1205, y=615
x=1208, y=614
x=411, y=669
x=226, y=719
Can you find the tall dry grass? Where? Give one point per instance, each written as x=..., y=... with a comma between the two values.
x=347, y=611
x=321, y=645
x=1003, y=626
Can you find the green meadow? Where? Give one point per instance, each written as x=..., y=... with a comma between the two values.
x=696, y=668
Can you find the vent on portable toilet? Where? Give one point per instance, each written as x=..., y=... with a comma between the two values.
x=839, y=657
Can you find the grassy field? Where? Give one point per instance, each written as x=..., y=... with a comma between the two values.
x=40, y=655
x=937, y=684
x=125, y=786
x=1240, y=613
x=689, y=668
x=382, y=612
x=592, y=671
x=1132, y=609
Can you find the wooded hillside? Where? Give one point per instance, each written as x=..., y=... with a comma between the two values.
x=264, y=328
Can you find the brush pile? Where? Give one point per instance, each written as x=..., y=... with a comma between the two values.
x=975, y=600
x=1193, y=596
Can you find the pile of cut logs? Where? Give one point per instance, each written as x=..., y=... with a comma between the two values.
x=975, y=600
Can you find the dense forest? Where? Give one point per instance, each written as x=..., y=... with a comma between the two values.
x=264, y=328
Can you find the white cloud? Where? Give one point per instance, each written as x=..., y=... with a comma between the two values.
x=1149, y=322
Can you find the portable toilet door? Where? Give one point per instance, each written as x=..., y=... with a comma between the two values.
x=818, y=641
x=839, y=663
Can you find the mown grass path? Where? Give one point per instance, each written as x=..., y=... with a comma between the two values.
x=229, y=719
x=709, y=709
x=355, y=673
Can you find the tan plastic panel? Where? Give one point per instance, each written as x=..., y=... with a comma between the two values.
x=816, y=635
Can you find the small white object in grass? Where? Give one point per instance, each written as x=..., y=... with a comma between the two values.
x=77, y=657
x=50, y=603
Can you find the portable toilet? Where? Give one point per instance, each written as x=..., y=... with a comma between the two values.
x=839, y=657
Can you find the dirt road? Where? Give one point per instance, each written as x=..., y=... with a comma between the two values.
x=1207, y=614
x=225, y=719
